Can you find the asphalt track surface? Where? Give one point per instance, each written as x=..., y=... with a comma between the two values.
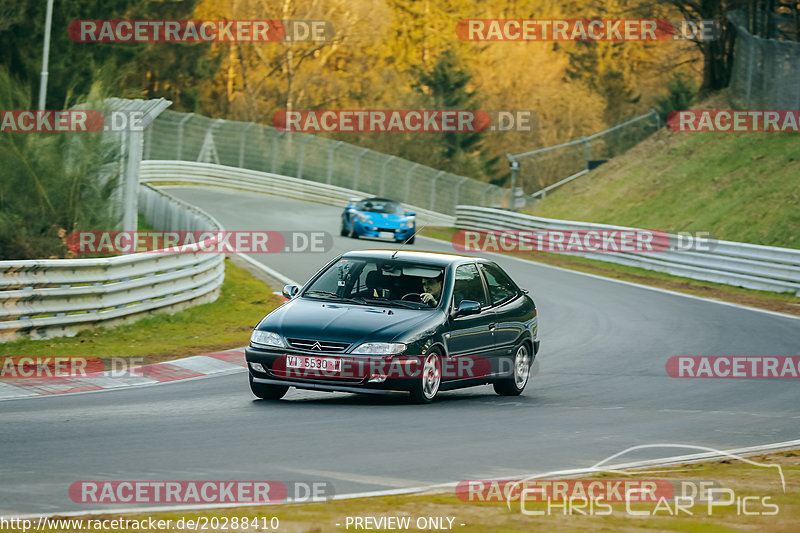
x=601, y=387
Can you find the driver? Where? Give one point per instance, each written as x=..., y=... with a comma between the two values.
x=433, y=290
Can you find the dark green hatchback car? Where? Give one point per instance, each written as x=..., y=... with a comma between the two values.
x=382, y=321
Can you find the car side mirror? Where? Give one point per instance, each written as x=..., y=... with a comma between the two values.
x=411, y=213
x=289, y=291
x=467, y=307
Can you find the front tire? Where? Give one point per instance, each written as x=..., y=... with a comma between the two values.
x=353, y=234
x=267, y=392
x=427, y=386
x=343, y=230
x=515, y=384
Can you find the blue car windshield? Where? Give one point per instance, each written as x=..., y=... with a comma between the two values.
x=389, y=207
x=379, y=281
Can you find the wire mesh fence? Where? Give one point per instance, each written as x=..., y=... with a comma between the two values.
x=191, y=137
x=546, y=168
x=766, y=72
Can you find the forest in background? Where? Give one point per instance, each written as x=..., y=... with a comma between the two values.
x=387, y=54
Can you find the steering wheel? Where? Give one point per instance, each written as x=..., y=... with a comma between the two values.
x=418, y=295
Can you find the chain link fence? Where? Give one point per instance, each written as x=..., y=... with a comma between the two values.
x=191, y=137
x=547, y=168
x=766, y=72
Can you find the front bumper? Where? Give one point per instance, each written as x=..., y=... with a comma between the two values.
x=373, y=231
x=358, y=370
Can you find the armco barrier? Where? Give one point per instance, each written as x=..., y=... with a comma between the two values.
x=156, y=172
x=732, y=263
x=45, y=298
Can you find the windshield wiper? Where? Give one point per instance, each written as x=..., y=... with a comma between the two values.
x=323, y=293
x=410, y=305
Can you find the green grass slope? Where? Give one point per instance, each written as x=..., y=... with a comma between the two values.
x=739, y=186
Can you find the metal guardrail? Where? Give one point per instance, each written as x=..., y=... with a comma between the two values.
x=44, y=298
x=576, y=158
x=314, y=158
x=732, y=263
x=156, y=172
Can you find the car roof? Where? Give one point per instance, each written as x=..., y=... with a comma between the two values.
x=431, y=258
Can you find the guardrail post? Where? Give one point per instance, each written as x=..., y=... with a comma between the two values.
x=408, y=181
x=330, y=161
x=358, y=167
x=302, y=156
x=588, y=151
x=433, y=188
x=179, y=151
x=130, y=219
x=242, y=141
x=383, y=174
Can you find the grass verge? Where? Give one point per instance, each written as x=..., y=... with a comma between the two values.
x=739, y=186
x=773, y=301
x=762, y=485
x=220, y=325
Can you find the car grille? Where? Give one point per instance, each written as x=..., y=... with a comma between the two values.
x=318, y=346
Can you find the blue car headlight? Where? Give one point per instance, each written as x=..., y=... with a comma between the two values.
x=363, y=218
x=266, y=338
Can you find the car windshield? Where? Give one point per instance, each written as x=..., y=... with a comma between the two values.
x=377, y=205
x=379, y=282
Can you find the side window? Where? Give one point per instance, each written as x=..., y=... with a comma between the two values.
x=501, y=288
x=468, y=286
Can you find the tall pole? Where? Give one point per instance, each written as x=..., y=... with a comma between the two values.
x=48, y=21
x=512, y=202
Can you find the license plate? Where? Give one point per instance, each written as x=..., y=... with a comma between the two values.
x=324, y=364
x=387, y=235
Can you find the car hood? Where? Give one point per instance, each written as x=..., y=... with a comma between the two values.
x=343, y=322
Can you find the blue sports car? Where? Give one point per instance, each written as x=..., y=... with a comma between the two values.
x=376, y=218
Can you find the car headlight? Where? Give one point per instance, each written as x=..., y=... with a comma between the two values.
x=380, y=348
x=408, y=224
x=363, y=218
x=266, y=338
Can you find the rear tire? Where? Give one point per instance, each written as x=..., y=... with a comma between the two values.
x=427, y=385
x=267, y=392
x=515, y=383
